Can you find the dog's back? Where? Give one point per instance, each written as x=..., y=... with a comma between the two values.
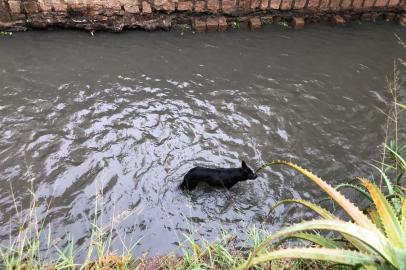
x=219, y=177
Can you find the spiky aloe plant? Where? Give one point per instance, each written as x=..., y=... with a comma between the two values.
x=369, y=245
x=394, y=190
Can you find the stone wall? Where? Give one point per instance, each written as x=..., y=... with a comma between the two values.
x=116, y=15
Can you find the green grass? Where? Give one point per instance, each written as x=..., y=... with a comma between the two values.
x=26, y=250
x=234, y=25
x=283, y=23
x=6, y=33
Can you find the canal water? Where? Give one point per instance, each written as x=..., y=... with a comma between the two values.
x=118, y=119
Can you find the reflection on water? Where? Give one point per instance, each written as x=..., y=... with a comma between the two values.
x=124, y=117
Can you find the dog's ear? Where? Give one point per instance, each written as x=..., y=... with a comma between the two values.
x=243, y=165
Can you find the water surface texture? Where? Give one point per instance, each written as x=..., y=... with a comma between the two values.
x=120, y=118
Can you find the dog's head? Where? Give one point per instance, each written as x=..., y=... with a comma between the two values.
x=248, y=173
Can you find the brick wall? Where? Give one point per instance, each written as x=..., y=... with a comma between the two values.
x=152, y=14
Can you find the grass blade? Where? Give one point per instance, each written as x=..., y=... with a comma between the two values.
x=401, y=162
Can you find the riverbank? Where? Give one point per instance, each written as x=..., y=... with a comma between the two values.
x=218, y=261
x=201, y=15
x=127, y=115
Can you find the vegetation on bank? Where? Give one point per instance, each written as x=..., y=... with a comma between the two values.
x=6, y=33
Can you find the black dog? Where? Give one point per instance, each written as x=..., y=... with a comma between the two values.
x=219, y=177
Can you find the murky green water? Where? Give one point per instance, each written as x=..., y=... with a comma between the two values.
x=127, y=115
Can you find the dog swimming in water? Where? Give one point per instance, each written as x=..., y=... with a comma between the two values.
x=218, y=177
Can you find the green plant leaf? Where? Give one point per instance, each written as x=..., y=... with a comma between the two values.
x=339, y=256
x=399, y=159
x=327, y=215
x=399, y=178
x=373, y=214
x=403, y=217
x=387, y=215
x=316, y=208
x=346, y=204
x=372, y=238
x=386, y=179
x=318, y=240
x=355, y=187
x=197, y=251
x=403, y=106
